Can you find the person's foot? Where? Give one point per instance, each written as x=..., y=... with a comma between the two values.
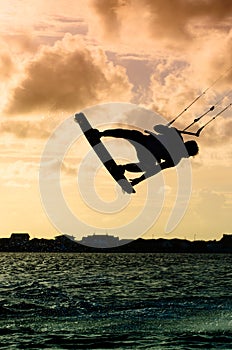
x=134, y=181
x=96, y=133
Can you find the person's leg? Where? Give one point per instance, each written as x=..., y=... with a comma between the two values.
x=138, y=140
x=133, y=135
x=133, y=167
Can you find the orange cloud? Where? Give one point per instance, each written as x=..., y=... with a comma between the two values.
x=26, y=129
x=171, y=19
x=7, y=65
x=178, y=19
x=108, y=12
x=21, y=43
x=68, y=76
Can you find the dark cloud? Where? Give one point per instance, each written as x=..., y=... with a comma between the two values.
x=7, y=66
x=174, y=19
x=68, y=76
x=107, y=11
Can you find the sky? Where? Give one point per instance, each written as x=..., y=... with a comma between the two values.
x=124, y=62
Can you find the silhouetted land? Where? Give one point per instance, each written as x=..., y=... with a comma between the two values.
x=23, y=243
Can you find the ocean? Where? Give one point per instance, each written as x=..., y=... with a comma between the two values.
x=115, y=301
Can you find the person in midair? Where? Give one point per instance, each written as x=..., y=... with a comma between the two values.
x=155, y=151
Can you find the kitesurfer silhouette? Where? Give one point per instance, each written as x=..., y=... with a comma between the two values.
x=155, y=151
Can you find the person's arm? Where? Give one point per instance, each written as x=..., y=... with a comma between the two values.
x=150, y=133
x=189, y=133
x=159, y=129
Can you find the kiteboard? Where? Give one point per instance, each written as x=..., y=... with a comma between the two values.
x=93, y=137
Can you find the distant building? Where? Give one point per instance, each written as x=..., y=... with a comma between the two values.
x=19, y=237
x=71, y=238
x=100, y=241
x=227, y=239
x=226, y=243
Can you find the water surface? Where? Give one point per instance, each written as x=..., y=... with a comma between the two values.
x=115, y=301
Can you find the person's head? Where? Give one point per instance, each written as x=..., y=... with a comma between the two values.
x=192, y=148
